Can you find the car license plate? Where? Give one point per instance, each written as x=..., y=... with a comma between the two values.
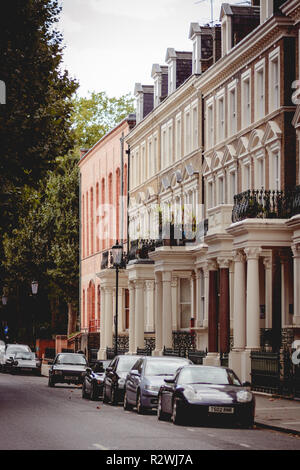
x=70, y=377
x=221, y=409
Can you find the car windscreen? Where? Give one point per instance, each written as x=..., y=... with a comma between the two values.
x=71, y=359
x=126, y=363
x=15, y=349
x=207, y=375
x=162, y=367
x=25, y=355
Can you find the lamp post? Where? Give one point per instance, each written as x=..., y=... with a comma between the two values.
x=4, y=321
x=117, y=255
x=34, y=290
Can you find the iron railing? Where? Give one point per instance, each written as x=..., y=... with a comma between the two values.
x=266, y=204
x=265, y=371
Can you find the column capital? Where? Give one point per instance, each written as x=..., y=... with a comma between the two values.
x=267, y=260
x=212, y=265
x=149, y=284
x=252, y=252
x=166, y=276
x=238, y=256
x=174, y=282
x=296, y=250
x=108, y=289
x=224, y=262
x=139, y=283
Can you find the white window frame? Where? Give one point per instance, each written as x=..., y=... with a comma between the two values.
x=150, y=156
x=209, y=123
x=210, y=193
x=178, y=136
x=274, y=88
x=172, y=76
x=164, y=146
x=259, y=164
x=246, y=174
x=221, y=131
x=260, y=95
x=187, y=130
x=221, y=179
x=170, y=142
x=231, y=188
x=144, y=166
x=156, y=165
x=246, y=100
x=194, y=127
x=232, y=110
x=274, y=170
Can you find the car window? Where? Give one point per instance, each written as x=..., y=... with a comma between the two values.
x=125, y=363
x=163, y=366
x=113, y=363
x=17, y=348
x=71, y=359
x=207, y=375
x=25, y=355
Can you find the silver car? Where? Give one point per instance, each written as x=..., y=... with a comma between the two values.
x=24, y=361
x=9, y=352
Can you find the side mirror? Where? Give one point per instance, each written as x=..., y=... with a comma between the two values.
x=170, y=380
x=108, y=369
x=246, y=384
x=134, y=372
x=88, y=371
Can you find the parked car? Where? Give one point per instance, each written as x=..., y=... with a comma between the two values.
x=115, y=375
x=24, y=361
x=9, y=352
x=67, y=368
x=93, y=382
x=206, y=392
x=145, y=379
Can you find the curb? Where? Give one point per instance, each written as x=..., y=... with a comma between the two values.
x=277, y=428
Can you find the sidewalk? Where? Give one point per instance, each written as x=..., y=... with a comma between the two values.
x=277, y=413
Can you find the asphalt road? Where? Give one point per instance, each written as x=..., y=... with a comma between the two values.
x=36, y=417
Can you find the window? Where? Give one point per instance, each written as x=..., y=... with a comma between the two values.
x=221, y=192
x=260, y=90
x=164, y=146
x=170, y=143
x=155, y=162
x=144, y=165
x=185, y=303
x=210, y=124
x=259, y=171
x=246, y=99
x=172, y=77
x=275, y=182
x=210, y=195
x=220, y=117
x=195, y=127
x=178, y=136
x=246, y=176
x=274, y=85
x=232, y=109
x=232, y=183
x=187, y=132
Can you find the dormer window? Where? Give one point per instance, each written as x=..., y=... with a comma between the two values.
x=172, y=76
x=226, y=35
x=266, y=9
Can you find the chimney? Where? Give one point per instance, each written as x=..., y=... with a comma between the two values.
x=217, y=43
x=179, y=68
x=144, y=100
x=202, y=37
x=160, y=76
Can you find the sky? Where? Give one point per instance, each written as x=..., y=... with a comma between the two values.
x=112, y=44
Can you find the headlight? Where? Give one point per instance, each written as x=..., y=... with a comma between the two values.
x=152, y=388
x=243, y=396
x=58, y=372
x=191, y=395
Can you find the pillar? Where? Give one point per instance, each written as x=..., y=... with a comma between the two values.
x=158, y=315
x=212, y=310
x=239, y=303
x=252, y=306
x=296, y=265
x=174, y=284
x=132, y=348
x=102, y=350
x=139, y=314
x=149, y=306
x=167, y=310
x=268, y=290
x=108, y=317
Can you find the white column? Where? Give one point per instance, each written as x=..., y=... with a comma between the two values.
x=132, y=348
x=149, y=306
x=121, y=322
x=253, y=316
x=175, y=309
x=268, y=290
x=296, y=257
x=108, y=317
x=158, y=314
x=199, y=319
x=167, y=309
x=102, y=350
x=239, y=303
x=206, y=290
x=231, y=292
x=193, y=296
x=139, y=314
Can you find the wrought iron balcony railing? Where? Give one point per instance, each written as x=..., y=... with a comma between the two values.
x=266, y=204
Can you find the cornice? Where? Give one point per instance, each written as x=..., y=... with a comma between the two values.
x=244, y=52
x=292, y=9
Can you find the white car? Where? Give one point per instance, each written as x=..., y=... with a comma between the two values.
x=10, y=351
x=24, y=361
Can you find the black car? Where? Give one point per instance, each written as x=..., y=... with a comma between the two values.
x=206, y=393
x=115, y=375
x=67, y=368
x=92, y=386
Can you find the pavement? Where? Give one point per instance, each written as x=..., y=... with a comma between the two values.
x=277, y=413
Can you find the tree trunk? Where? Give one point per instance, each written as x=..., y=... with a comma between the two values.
x=71, y=319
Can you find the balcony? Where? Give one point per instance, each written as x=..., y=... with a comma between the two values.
x=266, y=204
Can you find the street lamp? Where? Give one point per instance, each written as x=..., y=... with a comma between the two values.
x=117, y=256
x=34, y=290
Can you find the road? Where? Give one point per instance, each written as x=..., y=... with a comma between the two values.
x=36, y=417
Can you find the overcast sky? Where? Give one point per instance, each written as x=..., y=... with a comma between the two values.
x=112, y=44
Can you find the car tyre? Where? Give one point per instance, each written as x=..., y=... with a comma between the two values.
x=105, y=399
x=160, y=414
x=51, y=382
x=177, y=417
x=94, y=393
x=113, y=397
x=139, y=406
x=127, y=406
x=84, y=394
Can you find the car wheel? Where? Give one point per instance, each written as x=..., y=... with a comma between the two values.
x=84, y=394
x=160, y=414
x=113, y=397
x=139, y=406
x=177, y=417
x=94, y=393
x=105, y=399
x=127, y=406
x=51, y=382
x=248, y=424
